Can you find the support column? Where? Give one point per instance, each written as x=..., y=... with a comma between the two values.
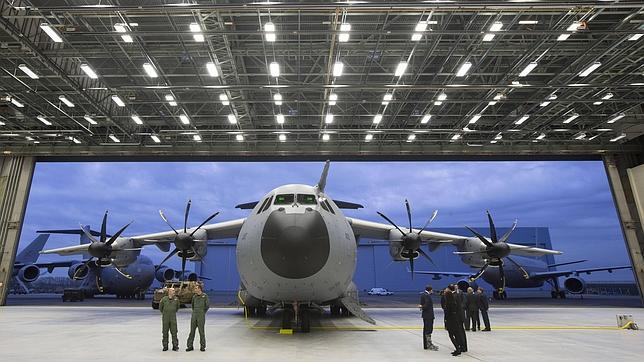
x=15, y=182
x=616, y=168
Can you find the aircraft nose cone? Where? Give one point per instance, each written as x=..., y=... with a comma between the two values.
x=295, y=246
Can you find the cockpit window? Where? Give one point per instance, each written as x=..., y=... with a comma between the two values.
x=261, y=208
x=306, y=199
x=284, y=199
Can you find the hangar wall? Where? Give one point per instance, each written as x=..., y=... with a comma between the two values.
x=16, y=173
x=636, y=177
x=374, y=268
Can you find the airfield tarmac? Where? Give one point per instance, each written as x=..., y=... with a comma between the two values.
x=129, y=332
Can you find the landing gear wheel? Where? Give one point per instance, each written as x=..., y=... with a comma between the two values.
x=287, y=318
x=261, y=310
x=305, y=321
x=553, y=294
x=495, y=295
x=504, y=295
x=344, y=312
x=562, y=294
x=335, y=310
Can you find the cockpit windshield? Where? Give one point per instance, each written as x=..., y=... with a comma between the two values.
x=284, y=199
x=306, y=199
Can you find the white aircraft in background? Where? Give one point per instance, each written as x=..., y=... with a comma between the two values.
x=297, y=251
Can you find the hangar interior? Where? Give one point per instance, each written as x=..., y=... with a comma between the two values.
x=316, y=80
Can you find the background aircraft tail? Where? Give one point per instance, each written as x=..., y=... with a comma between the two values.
x=83, y=238
x=30, y=254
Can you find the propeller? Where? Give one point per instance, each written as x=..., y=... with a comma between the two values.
x=495, y=249
x=411, y=241
x=184, y=241
x=101, y=251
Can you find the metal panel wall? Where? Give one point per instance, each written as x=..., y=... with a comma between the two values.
x=15, y=182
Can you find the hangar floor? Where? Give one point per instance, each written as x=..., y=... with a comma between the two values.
x=75, y=332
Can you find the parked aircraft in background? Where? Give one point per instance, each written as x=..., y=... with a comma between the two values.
x=25, y=269
x=538, y=273
x=296, y=250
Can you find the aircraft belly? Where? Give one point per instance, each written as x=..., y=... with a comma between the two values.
x=329, y=282
x=115, y=283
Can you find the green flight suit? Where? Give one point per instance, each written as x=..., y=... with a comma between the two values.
x=200, y=305
x=169, y=308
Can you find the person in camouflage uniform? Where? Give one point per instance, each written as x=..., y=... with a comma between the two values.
x=168, y=306
x=200, y=305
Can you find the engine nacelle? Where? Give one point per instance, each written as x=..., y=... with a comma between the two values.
x=188, y=275
x=398, y=253
x=29, y=273
x=575, y=285
x=78, y=271
x=164, y=274
x=463, y=284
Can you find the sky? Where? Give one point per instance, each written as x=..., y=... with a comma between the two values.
x=572, y=198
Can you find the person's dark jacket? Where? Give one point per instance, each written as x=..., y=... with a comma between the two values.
x=453, y=310
x=471, y=302
x=460, y=305
x=482, y=302
x=427, y=306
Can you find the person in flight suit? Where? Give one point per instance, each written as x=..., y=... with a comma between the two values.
x=168, y=306
x=200, y=305
x=453, y=320
x=482, y=303
x=471, y=303
x=427, y=307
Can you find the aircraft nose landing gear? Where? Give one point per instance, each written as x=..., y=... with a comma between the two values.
x=499, y=294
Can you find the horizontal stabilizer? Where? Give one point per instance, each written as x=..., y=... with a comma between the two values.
x=347, y=205
x=355, y=309
x=247, y=206
x=567, y=263
x=70, y=232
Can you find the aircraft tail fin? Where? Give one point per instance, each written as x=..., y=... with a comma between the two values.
x=567, y=263
x=30, y=254
x=83, y=238
x=325, y=172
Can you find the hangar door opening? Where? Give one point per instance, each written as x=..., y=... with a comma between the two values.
x=564, y=206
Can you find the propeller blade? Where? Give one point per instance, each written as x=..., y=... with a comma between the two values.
x=391, y=222
x=167, y=222
x=183, y=265
x=166, y=258
x=411, y=266
x=479, y=273
x=525, y=273
x=204, y=223
x=88, y=234
x=85, y=265
x=185, y=218
x=481, y=237
x=469, y=252
x=121, y=272
x=408, y=213
x=199, y=255
x=429, y=221
x=423, y=253
x=506, y=236
x=502, y=274
x=118, y=233
x=104, y=228
x=492, y=228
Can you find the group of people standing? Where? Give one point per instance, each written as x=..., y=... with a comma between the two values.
x=169, y=305
x=460, y=311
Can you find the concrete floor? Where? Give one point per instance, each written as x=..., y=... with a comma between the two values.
x=76, y=332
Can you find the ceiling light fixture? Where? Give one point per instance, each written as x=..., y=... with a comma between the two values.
x=345, y=28
x=89, y=119
x=475, y=118
x=118, y=101
x=411, y=138
x=67, y=102
x=197, y=34
x=184, y=119
x=25, y=69
x=274, y=69
x=212, y=69
x=377, y=118
x=529, y=68
x=465, y=67
x=325, y=137
x=282, y=137
x=149, y=69
x=43, y=120
x=616, y=118
x=400, y=69
x=224, y=99
x=239, y=137
x=53, y=34
x=114, y=139
x=337, y=69
x=591, y=68
x=120, y=28
x=333, y=98
x=269, y=29
x=196, y=138
x=328, y=119
x=277, y=97
x=571, y=118
x=280, y=118
x=17, y=103
x=522, y=119
x=155, y=138
x=368, y=137
x=232, y=119
x=426, y=119
x=136, y=119
x=623, y=135
x=89, y=71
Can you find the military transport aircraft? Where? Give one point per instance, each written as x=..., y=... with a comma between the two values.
x=538, y=273
x=296, y=250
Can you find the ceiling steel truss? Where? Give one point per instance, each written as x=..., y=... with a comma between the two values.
x=320, y=78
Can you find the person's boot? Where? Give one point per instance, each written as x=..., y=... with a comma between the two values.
x=432, y=346
x=189, y=349
x=202, y=349
x=165, y=348
x=175, y=348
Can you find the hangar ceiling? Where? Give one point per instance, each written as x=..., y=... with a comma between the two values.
x=431, y=77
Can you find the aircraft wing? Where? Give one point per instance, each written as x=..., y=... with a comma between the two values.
x=220, y=230
x=69, y=250
x=525, y=250
x=375, y=230
x=443, y=274
x=565, y=273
